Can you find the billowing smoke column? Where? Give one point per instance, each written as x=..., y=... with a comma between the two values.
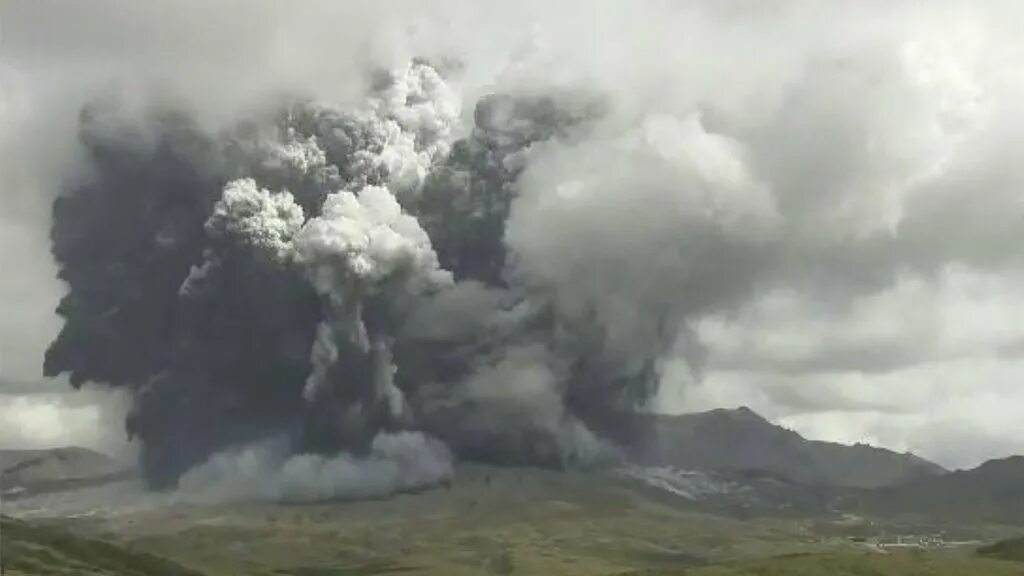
x=326, y=303
x=328, y=293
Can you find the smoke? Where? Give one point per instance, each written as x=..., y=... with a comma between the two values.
x=267, y=471
x=281, y=277
x=499, y=243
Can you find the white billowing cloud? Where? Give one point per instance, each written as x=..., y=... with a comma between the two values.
x=861, y=127
x=415, y=117
x=366, y=240
x=622, y=227
x=267, y=472
x=256, y=217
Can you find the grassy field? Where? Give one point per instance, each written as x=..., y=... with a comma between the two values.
x=32, y=550
x=490, y=522
x=860, y=564
x=1012, y=549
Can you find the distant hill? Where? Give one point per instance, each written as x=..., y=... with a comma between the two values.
x=742, y=441
x=992, y=492
x=26, y=472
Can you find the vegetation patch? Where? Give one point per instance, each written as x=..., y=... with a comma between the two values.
x=1005, y=550
x=29, y=549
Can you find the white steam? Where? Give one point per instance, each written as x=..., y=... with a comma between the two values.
x=363, y=241
x=635, y=232
x=256, y=217
x=413, y=120
x=267, y=471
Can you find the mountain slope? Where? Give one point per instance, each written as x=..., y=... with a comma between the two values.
x=741, y=440
x=27, y=472
x=992, y=492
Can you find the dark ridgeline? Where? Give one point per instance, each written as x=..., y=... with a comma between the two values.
x=741, y=440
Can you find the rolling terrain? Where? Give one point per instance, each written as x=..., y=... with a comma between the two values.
x=499, y=520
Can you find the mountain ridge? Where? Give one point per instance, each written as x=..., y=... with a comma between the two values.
x=992, y=492
x=34, y=471
x=730, y=440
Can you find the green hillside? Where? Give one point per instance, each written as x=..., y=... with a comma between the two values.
x=30, y=550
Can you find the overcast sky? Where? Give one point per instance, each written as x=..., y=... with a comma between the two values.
x=882, y=139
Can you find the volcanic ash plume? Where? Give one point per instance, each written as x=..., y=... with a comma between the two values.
x=266, y=471
x=322, y=303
